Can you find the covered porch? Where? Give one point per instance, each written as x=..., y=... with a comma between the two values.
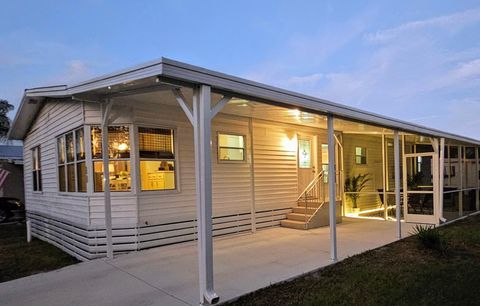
x=169, y=275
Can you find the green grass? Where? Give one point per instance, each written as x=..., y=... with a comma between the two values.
x=402, y=273
x=19, y=258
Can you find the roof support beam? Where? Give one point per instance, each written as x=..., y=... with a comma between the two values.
x=202, y=125
x=183, y=104
x=106, y=108
x=218, y=107
x=331, y=188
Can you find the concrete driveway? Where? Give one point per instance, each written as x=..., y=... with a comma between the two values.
x=168, y=275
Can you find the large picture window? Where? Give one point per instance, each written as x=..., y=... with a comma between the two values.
x=72, y=170
x=231, y=147
x=119, y=155
x=36, y=170
x=157, y=158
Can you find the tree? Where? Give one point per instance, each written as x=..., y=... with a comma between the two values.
x=5, y=107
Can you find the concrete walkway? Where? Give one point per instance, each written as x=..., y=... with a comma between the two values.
x=168, y=275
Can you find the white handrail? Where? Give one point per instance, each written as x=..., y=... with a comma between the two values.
x=310, y=185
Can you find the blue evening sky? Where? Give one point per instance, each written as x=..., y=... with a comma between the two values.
x=413, y=60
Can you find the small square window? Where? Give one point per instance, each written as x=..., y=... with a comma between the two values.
x=360, y=155
x=231, y=147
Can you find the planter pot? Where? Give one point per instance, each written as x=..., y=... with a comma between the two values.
x=356, y=210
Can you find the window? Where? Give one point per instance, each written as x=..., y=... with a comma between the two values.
x=469, y=152
x=157, y=158
x=325, y=162
x=119, y=155
x=453, y=152
x=72, y=170
x=231, y=147
x=304, y=153
x=360, y=155
x=36, y=169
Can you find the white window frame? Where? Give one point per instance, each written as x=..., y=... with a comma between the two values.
x=355, y=156
x=222, y=161
x=75, y=161
x=37, y=155
x=91, y=160
x=176, y=170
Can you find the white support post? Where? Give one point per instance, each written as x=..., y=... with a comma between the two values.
x=477, y=172
x=29, y=231
x=384, y=179
x=396, y=153
x=106, y=107
x=331, y=189
x=442, y=179
x=253, y=219
x=203, y=173
x=460, y=172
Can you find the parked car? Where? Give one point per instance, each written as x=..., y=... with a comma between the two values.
x=11, y=209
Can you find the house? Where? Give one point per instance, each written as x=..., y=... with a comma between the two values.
x=11, y=171
x=194, y=153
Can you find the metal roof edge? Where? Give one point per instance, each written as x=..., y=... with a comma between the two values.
x=227, y=82
x=195, y=74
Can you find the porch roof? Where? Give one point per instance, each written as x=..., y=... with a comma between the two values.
x=164, y=70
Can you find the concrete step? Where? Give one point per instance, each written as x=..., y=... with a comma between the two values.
x=293, y=224
x=301, y=210
x=309, y=204
x=298, y=216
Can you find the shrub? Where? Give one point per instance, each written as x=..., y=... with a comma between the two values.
x=430, y=237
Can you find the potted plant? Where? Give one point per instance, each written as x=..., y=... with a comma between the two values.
x=353, y=186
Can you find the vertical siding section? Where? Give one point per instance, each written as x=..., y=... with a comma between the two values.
x=275, y=166
x=373, y=144
x=55, y=118
x=124, y=204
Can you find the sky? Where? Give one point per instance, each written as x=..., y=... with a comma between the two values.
x=413, y=60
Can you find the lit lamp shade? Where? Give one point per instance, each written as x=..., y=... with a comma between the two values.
x=111, y=168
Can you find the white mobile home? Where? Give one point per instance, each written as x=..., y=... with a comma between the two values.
x=193, y=153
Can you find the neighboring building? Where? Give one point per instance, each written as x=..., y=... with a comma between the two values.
x=188, y=147
x=11, y=171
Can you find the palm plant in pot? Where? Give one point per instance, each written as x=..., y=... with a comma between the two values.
x=353, y=186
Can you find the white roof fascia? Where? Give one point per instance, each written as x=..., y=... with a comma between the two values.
x=193, y=74
x=182, y=71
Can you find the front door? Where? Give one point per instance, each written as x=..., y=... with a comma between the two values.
x=307, y=160
x=420, y=184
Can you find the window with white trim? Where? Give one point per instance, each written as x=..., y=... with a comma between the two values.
x=231, y=147
x=360, y=155
x=157, y=158
x=119, y=155
x=36, y=169
x=72, y=169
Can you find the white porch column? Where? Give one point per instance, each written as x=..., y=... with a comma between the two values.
x=460, y=171
x=441, y=184
x=477, y=192
x=203, y=178
x=331, y=189
x=384, y=179
x=396, y=153
x=106, y=107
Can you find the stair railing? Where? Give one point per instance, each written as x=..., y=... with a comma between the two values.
x=313, y=193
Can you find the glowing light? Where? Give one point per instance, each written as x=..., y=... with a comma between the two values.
x=290, y=143
x=123, y=147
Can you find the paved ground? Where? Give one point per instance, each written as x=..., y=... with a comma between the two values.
x=168, y=275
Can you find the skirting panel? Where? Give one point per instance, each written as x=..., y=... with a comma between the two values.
x=87, y=242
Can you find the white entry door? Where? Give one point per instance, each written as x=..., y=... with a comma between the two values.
x=420, y=185
x=307, y=160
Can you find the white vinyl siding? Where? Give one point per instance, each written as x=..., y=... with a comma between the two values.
x=54, y=119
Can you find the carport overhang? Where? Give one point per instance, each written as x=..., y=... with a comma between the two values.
x=173, y=74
